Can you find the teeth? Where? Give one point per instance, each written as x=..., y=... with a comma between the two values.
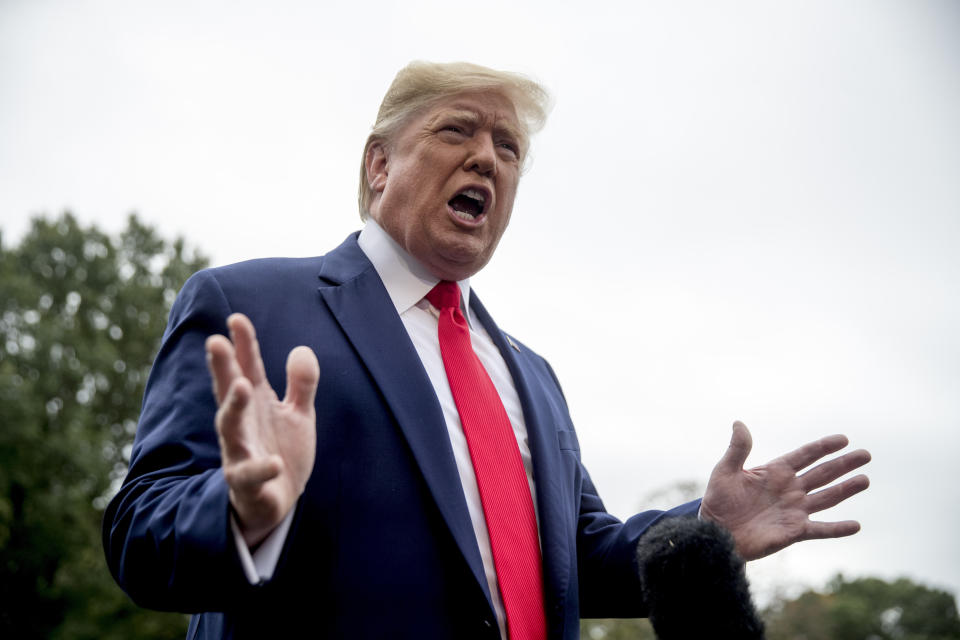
x=476, y=195
x=463, y=215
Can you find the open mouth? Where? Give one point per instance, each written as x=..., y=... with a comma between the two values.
x=469, y=204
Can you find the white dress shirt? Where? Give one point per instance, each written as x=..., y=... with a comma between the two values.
x=407, y=282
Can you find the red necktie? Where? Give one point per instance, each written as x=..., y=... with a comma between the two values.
x=502, y=481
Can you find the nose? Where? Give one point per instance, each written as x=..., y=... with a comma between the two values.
x=482, y=156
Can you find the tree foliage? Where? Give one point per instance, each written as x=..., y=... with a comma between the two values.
x=860, y=609
x=81, y=315
x=616, y=629
x=866, y=608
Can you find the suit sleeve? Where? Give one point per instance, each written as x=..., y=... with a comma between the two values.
x=606, y=548
x=166, y=533
x=607, y=555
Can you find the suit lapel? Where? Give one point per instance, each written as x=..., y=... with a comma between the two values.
x=556, y=521
x=357, y=299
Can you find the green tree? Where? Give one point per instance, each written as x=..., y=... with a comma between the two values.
x=866, y=608
x=616, y=629
x=81, y=315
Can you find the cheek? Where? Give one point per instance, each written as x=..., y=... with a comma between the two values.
x=508, y=201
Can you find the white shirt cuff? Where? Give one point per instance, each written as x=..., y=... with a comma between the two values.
x=260, y=565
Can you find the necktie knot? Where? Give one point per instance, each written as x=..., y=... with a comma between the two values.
x=445, y=295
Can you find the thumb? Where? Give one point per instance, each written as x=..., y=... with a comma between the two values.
x=736, y=454
x=303, y=374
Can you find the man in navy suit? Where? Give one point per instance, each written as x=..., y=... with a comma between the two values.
x=350, y=507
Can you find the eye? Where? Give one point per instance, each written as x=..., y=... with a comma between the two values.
x=453, y=128
x=511, y=148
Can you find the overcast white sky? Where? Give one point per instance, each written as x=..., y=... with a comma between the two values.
x=738, y=210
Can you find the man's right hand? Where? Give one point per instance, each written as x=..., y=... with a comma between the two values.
x=267, y=446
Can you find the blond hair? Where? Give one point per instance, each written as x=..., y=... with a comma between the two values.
x=420, y=84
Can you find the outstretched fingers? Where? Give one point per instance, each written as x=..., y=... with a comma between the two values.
x=303, y=374
x=741, y=442
x=222, y=363
x=811, y=452
x=229, y=420
x=823, y=474
x=832, y=496
x=824, y=530
x=247, y=348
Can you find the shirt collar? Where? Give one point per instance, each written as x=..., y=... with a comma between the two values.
x=405, y=279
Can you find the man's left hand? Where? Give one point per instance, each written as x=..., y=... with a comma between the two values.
x=767, y=508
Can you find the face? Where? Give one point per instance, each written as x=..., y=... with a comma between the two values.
x=444, y=186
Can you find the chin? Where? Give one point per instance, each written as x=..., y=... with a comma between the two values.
x=457, y=270
x=459, y=262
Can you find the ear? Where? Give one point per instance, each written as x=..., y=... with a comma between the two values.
x=376, y=165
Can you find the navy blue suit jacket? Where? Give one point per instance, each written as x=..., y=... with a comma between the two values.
x=381, y=544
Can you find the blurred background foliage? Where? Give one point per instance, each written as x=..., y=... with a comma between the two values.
x=81, y=316
x=856, y=609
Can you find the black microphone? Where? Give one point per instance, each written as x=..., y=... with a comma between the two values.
x=694, y=583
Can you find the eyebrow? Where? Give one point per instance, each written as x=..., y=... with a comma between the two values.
x=471, y=116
